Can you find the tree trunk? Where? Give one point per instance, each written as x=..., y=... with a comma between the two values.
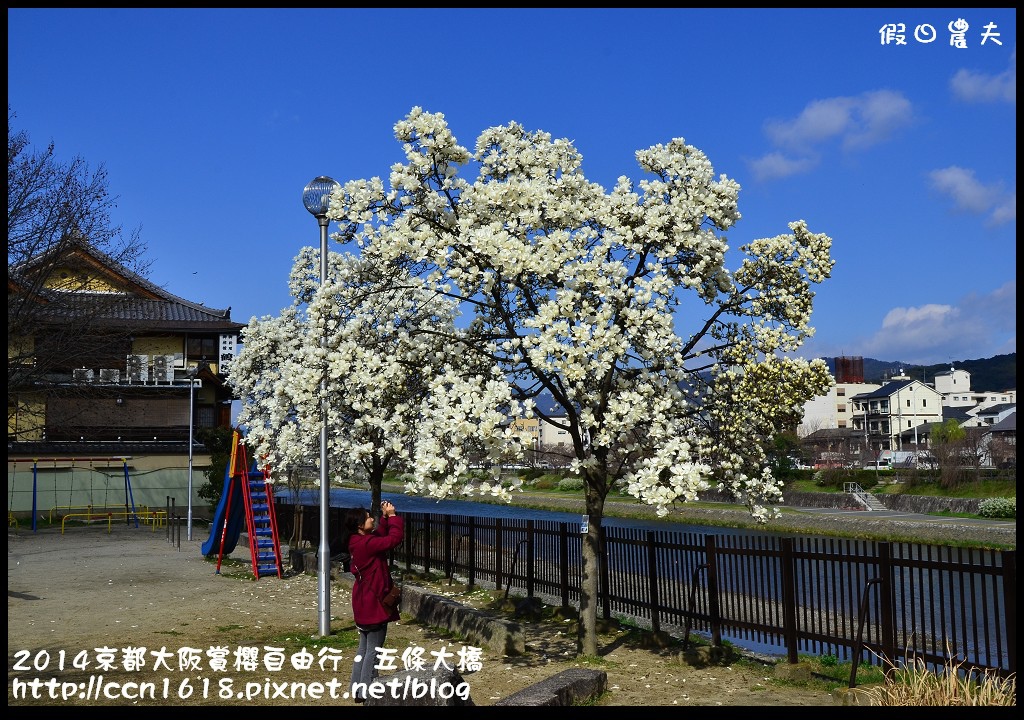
x=586, y=641
x=376, y=479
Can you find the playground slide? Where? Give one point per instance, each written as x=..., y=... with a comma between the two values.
x=235, y=516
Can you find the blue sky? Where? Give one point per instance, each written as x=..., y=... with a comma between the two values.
x=211, y=121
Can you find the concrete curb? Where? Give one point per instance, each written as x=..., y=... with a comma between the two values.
x=479, y=628
x=566, y=688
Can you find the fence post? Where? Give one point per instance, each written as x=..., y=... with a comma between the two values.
x=714, y=611
x=886, y=602
x=563, y=548
x=408, y=519
x=472, y=550
x=426, y=543
x=1009, y=558
x=788, y=561
x=497, y=554
x=602, y=561
x=529, y=558
x=652, y=582
x=447, y=540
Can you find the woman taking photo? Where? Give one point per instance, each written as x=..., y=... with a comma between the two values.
x=368, y=544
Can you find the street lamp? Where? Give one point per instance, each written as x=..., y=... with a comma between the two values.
x=317, y=198
x=191, y=415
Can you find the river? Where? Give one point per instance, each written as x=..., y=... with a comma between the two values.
x=347, y=497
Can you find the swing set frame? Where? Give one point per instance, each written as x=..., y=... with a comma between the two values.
x=130, y=512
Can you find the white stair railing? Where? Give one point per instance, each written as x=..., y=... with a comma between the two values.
x=858, y=492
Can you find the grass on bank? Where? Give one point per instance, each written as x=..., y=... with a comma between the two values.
x=955, y=685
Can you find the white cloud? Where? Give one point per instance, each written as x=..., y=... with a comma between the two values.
x=972, y=196
x=978, y=87
x=877, y=117
x=819, y=121
x=976, y=327
x=1005, y=211
x=852, y=122
x=776, y=165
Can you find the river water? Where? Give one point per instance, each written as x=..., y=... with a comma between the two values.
x=345, y=498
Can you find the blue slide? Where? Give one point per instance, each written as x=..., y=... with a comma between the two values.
x=235, y=515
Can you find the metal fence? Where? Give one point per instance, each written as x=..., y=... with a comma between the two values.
x=861, y=601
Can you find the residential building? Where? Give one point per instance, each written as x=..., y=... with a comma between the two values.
x=1002, y=442
x=955, y=387
x=834, y=409
x=988, y=415
x=545, y=443
x=896, y=410
x=142, y=372
x=551, y=436
x=833, y=447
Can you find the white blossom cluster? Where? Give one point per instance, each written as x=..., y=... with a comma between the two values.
x=385, y=347
x=579, y=292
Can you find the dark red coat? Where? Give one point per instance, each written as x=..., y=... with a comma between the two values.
x=370, y=566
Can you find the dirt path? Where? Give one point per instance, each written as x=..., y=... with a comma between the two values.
x=70, y=597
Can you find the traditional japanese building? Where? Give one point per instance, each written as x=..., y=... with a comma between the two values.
x=109, y=375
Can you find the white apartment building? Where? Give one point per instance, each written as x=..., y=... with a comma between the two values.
x=955, y=388
x=537, y=434
x=886, y=414
x=834, y=409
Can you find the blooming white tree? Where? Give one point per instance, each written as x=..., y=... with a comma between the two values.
x=389, y=347
x=668, y=370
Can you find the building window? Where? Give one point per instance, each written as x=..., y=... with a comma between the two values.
x=909, y=424
x=841, y=392
x=841, y=408
x=924, y=402
x=202, y=348
x=908, y=402
x=842, y=423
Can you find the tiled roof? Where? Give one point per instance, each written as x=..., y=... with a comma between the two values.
x=887, y=390
x=956, y=412
x=143, y=302
x=996, y=409
x=1007, y=424
x=170, y=313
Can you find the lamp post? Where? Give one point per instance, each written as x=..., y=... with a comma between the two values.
x=317, y=197
x=913, y=401
x=191, y=414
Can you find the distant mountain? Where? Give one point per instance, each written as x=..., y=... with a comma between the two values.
x=987, y=374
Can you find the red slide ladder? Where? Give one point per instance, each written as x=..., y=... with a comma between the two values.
x=260, y=520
